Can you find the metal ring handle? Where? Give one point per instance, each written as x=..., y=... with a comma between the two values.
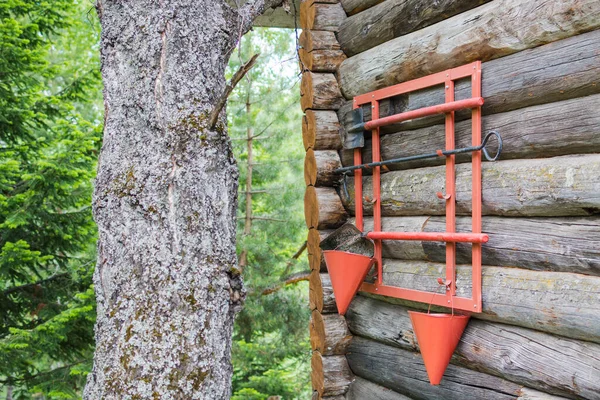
x=484, y=143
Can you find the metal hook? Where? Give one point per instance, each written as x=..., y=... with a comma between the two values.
x=345, y=183
x=485, y=140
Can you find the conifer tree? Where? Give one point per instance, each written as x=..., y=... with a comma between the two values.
x=271, y=353
x=50, y=132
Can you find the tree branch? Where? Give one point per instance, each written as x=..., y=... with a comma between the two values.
x=289, y=280
x=254, y=8
x=33, y=285
x=243, y=70
x=265, y=219
x=300, y=250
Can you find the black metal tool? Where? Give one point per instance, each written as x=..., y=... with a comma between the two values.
x=439, y=153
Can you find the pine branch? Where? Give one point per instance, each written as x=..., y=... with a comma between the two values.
x=265, y=219
x=10, y=381
x=289, y=280
x=32, y=285
x=243, y=70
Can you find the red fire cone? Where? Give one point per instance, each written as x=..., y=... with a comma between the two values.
x=347, y=271
x=437, y=335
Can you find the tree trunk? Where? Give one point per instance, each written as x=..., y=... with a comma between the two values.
x=165, y=202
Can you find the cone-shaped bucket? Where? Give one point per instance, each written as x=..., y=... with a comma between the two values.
x=347, y=271
x=437, y=335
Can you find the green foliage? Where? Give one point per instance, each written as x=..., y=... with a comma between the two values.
x=50, y=132
x=271, y=353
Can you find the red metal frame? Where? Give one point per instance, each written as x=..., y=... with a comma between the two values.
x=447, y=78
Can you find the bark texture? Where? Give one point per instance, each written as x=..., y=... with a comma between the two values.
x=165, y=202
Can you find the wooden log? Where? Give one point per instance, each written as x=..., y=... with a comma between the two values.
x=323, y=208
x=355, y=6
x=568, y=244
x=315, y=254
x=531, y=394
x=319, y=91
x=319, y=166
x=318, y=40
x=321, y=293
x=321, y=130
x=314, y=250
x=321, y=60
x=559, y=303
x=330, y=375
x=554, y=72
x=491, y=31
x=321, y=15
x=393, y=18
x=546, y=130
x=317, y=396
x=529, y=358
x=329, y=334
x=559, y=186
x=362, y=389
x=278, y=17
x=403, y=371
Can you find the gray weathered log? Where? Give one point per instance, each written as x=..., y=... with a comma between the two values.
x=491, y=31
x=279, y=17
x=329, y=334
x=355, y=6
x=164, y=280
x=557, y=71
x=532, y=394
x=559, y=186
x=330, y=375
x=393, y=18
x=321, y=130
x=565, y=244
x=547, y=130
x=323, y=208
x=532, y=359
x=362, y=389
x=319, y=91
x=560, y=303
x=403, y=371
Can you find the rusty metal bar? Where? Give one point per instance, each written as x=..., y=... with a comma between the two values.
x=377, y=122
x=452, y=237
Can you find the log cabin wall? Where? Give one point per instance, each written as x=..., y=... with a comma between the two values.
x=538, y=336
x=320, y=56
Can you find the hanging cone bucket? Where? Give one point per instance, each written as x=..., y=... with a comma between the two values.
x=437, y=335
x=347, y=272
